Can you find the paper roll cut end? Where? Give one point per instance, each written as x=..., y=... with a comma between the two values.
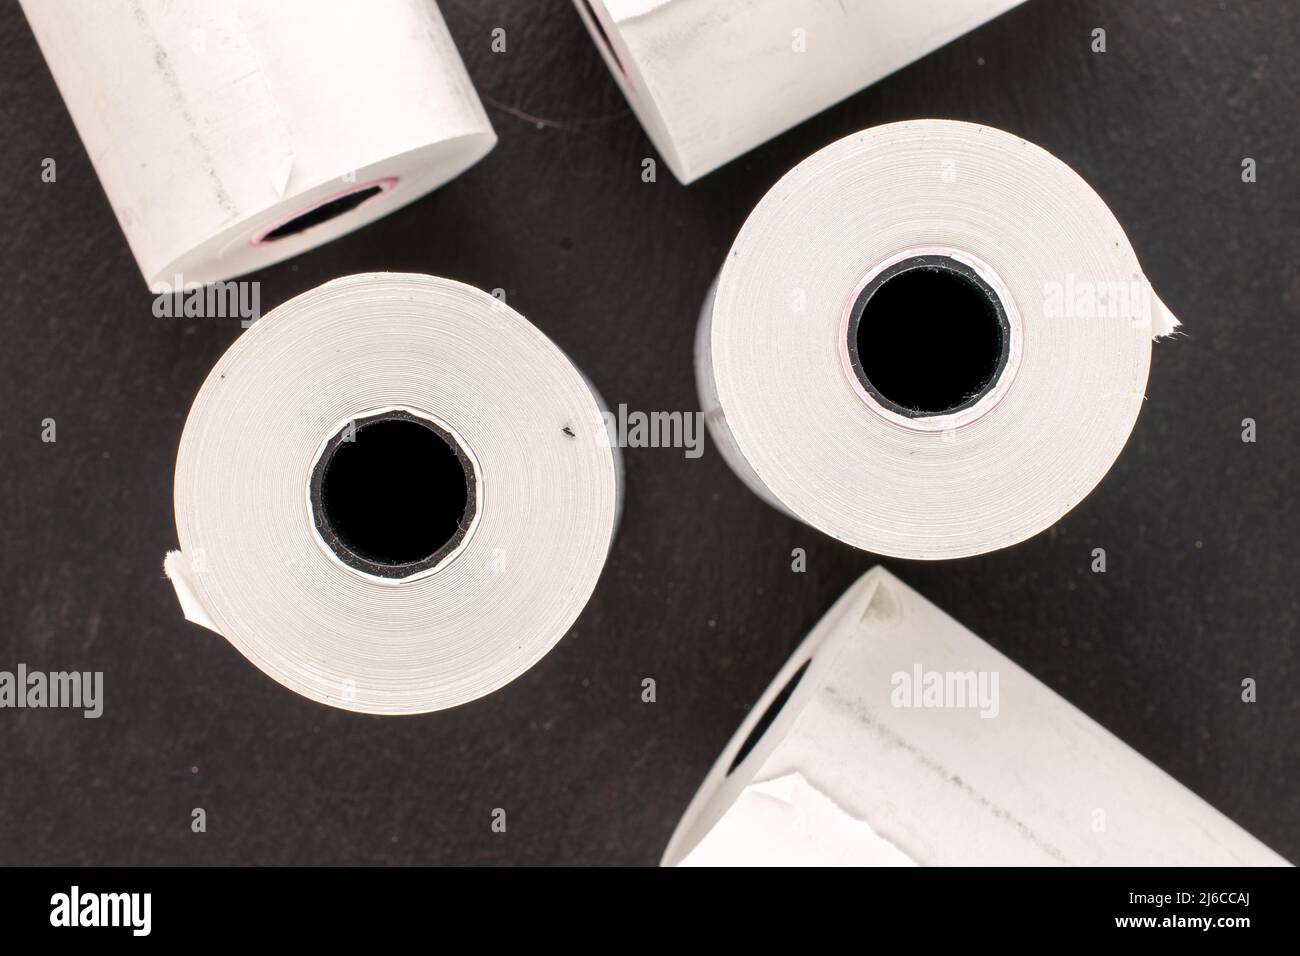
x=787, y=821
x=1163, y=322
x=180, y=571
x=281, y=175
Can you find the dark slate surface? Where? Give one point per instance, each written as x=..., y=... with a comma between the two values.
x=1200, y=529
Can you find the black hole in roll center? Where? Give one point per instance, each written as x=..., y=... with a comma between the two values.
x=392, y=494
x=322, y=213
x=769, y=716
x=602, y=37
x=928, y=336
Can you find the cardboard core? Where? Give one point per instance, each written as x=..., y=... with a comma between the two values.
x=928, y=336
x=393, y=494
x=322, y=213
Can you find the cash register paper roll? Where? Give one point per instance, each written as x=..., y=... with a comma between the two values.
x=929, y=340
x=393, y=494
x=711, y=79
x=896, y=737
x=229, y=135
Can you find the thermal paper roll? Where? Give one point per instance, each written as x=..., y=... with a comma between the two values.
x=232, y=135
x=393, y=494
x=896, y=737
x=929, y=340
x=711, y=79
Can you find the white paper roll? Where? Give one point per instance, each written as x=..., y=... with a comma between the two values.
x=894, y=736
x=231, y=135
x=929, y=340
x=286, y=557
x=711, y=79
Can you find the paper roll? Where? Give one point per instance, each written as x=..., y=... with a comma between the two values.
x=929, y=340
x=393, y=495
x=711, y=79
x=894, y=736
x=234, y=134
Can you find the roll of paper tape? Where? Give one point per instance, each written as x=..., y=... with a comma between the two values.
x=232, y=135
x=896, y=737
x=929, y=340
x=711, y=79
x=393, y=495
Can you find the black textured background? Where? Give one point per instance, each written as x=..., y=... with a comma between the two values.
x=1200, y=529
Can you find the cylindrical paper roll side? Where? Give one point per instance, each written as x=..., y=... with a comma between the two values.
x=711, y=79
x=229, y=136
x=908, y=740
